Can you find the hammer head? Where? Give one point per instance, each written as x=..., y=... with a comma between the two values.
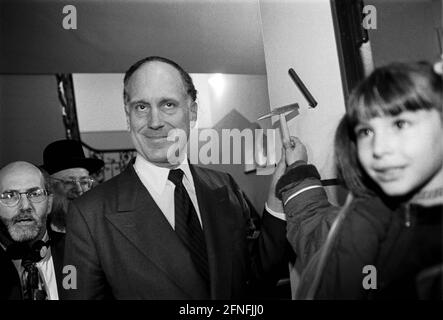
x=281, y=110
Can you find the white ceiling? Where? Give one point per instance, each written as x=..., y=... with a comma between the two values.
x=204, y=35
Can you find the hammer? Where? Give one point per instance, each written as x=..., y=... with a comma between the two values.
x=281, y=112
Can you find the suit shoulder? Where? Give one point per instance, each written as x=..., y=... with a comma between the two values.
x=212, y=175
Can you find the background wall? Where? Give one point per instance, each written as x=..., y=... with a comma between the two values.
x=99, y=99
x=205, y=36
x=30, y=117
x=405, y=30
x=313, y=55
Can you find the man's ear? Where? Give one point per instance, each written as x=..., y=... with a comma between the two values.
x=128, y=125
x=193, y=111
x=126, y=107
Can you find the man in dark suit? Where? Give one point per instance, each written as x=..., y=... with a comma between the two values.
x=166, y=229
x=31, y=256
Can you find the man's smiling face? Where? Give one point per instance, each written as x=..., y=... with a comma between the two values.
x=157, y=103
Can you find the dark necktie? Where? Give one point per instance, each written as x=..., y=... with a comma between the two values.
x=34, y=288
x=187, y=225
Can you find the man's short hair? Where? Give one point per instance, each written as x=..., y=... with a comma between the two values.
x=187, y=80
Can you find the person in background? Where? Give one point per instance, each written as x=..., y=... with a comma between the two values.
x=31, y=256
x=70, y=172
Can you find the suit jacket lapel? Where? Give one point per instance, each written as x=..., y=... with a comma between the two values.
x=141, y=221
x=213, y=203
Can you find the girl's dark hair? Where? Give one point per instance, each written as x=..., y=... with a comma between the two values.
x=387, y=91
x=186, y=78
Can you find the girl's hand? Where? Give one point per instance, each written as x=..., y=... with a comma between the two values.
x=295, y=150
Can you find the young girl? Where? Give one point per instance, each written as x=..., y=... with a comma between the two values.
x=386, y=243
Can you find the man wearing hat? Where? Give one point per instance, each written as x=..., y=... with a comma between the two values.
x=70, y=170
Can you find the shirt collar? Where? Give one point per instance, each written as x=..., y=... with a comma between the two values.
x=45, y=237
x=157, y=177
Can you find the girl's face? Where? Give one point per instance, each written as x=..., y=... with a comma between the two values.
x=404, y=152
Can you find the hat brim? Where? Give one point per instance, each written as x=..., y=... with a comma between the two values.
x=90, y=164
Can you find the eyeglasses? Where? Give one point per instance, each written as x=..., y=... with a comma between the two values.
x=72, y=183
x=12, y=198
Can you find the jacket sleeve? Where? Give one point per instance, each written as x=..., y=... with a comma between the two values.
x=268, y=248
x=308, y=212
x=309, y=218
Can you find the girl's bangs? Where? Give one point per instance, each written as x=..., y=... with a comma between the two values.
x=387, y=99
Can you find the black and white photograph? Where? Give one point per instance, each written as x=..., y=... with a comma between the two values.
x=230, y=157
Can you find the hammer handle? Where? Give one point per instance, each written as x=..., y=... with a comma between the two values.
x=284, y=128
x=301, y=86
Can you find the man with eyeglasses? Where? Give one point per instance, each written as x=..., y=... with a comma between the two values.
x=70, y=170
x=31, y=256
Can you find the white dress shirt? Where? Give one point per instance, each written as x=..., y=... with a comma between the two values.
x=155, y=179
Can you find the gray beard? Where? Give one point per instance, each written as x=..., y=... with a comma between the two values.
x=23, y=233
x=58, y=213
